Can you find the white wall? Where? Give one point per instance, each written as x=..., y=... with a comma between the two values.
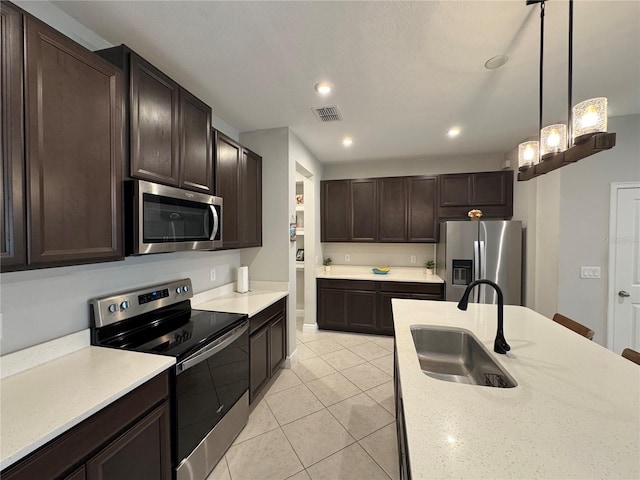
x=566, y=213
x=417, y=166
x=584, y=225
x=310, y=169
x=380, y=254
x=41, y=305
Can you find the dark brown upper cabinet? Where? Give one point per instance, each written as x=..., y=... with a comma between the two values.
x=196, y=165
x=394, y=209
x=336, y=210
x=169, y=129
x=13, y=249
x=251, y=214
x=239, y=183
x=491, y=192
x=364, y=217
x=422, y=224
x=73, y=137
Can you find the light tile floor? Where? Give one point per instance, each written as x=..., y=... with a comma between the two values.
x=330, y=417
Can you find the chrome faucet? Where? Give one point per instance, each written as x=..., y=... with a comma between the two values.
x=500, y=345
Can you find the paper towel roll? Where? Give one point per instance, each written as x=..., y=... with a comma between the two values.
x=242, y=283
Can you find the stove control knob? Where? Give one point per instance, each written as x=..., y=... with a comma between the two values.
x=124, y=305
x=113, y=308
x=186, y=288
x=178, y=290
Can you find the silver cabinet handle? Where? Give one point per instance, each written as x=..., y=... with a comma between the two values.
x=622, y=293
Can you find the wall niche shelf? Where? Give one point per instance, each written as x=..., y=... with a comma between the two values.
x=594, y=144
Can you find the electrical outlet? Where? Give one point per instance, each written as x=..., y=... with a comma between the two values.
x=413, y=259
x=212, y=274
x=589, y=272
x=347, y=257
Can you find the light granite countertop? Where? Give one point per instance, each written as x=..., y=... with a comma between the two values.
x=44, y=401
x=249, y=303
x=575, y=412
x=396, y=274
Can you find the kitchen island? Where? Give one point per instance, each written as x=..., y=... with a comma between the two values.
x=575, y=412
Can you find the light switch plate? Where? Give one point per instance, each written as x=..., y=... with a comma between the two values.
x=347, y=257
x=212, y=274
x=589, y=272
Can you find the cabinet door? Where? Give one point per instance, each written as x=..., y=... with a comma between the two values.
x=251, y=205
x=196, y=172
x=385, y=312
x=277, y=344
x=143, y=452
x=361, y=310
x=79, y=474
x=336, y=211
x=423, y=214
x=228, y=187
x=259, y=368
x=74, y=142
x=154, y=124
x=364, y=217
x=12, y=230
x=332, y=308
x=456, y=190
x=392, y=210
x=491, y=188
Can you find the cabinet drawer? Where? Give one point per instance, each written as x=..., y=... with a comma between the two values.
x=365, y=285
x=421, y=288
x=257, y=321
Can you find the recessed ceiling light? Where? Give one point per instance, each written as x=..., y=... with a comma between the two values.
x=496, y=62
x=453, y=132
x=347, y=141
x=323, y=88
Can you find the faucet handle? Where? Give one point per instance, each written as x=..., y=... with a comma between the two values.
x=500, y=345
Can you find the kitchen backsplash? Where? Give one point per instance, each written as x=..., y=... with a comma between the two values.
x=381, y=254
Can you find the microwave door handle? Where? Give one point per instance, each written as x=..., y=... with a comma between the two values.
x=214, y=216
x=223, y=342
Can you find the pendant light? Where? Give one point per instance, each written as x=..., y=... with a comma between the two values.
x=587, y=121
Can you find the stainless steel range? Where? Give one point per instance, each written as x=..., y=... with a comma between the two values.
x=210, y=398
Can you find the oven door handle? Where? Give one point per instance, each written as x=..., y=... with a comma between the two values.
x=213, y=348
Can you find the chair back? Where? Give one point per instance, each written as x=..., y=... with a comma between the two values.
x=631, y=355
x=573, y=325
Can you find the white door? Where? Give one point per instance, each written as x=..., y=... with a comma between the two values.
x=625, y=255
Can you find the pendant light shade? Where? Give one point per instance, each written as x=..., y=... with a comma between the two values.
x=528, y=154
x=553, y=139
x=589, y=117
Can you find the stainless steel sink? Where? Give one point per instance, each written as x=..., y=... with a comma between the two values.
x=456, y=355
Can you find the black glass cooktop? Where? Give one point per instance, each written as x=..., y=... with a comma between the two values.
x=175, y=331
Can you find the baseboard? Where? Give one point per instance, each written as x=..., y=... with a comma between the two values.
x=307, y=328
x=300, y=312
x=291, y=360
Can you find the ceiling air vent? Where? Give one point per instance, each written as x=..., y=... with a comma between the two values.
x=328, y=114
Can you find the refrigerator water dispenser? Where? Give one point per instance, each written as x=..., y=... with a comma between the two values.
x=462, y=272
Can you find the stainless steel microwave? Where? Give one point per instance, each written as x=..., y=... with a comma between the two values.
x=162, y=219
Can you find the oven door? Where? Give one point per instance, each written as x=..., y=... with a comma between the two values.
x=209, y=383
x=168, y=219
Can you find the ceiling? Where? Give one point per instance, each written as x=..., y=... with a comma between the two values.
x=404, y=72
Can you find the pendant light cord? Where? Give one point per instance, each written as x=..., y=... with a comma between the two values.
x=570, y=79
x=541, y=69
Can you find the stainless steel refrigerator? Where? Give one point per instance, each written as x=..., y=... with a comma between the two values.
x=468, y=251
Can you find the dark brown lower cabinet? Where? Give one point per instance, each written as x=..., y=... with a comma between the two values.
x=401, y=430
x=128, y=439
x=267, y=345
x=365, y=306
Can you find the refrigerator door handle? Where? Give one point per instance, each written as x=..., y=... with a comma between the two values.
x=483, y=269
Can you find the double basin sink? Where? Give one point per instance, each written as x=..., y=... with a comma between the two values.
x=456, y=355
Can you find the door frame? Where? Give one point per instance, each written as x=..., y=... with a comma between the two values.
x=613, y=225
